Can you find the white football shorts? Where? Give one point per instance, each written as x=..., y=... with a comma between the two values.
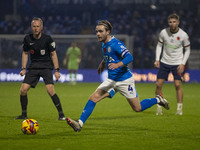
x=126, y=87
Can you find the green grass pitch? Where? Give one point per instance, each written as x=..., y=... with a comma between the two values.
x=112, y=125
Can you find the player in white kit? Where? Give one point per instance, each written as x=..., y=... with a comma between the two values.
x=172, y=41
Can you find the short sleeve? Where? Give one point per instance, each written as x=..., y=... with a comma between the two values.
x=79, y=51
x=160, y=38
x=186, y=41
x=51, y=44
x=25, y=45
x=122, y=50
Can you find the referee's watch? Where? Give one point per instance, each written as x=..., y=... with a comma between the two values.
x=57, y=69
x=23, y=68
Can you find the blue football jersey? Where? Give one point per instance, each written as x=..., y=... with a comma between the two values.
x=114, y=52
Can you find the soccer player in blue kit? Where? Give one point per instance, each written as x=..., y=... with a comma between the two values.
x=120, y=79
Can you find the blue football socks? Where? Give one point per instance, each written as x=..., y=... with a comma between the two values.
x=89, y=107
x=112, y=93
x=87, y=110
x=147, y=103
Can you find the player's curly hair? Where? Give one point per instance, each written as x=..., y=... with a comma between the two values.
x=173, y=16
x=106, y=24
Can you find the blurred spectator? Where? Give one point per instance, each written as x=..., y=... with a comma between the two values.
x=143, y=24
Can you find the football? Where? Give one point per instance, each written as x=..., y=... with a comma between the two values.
x=30, y=126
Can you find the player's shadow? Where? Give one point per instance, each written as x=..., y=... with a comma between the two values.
x=8, y=117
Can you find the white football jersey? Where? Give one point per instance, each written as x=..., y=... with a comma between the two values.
x=173, y=44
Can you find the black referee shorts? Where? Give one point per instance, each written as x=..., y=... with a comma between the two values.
x=33, y=76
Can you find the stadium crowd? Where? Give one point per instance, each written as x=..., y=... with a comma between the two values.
x=143, y=25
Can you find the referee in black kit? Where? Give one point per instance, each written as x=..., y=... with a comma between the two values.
x=43, y=57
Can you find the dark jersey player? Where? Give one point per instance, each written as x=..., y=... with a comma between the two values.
x=43, y=58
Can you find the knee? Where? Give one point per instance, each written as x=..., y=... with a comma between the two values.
x=177, y=87
x=94, y=98
x=23, y=91
x=50, y=91
x=137, y=108
x=158, y=85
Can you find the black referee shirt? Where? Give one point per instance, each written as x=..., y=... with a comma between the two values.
x=40, y=51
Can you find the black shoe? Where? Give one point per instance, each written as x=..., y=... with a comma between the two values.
x=21, y=117
x=62, y=118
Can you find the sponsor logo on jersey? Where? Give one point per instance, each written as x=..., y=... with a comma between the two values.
x=42, y=51
x=53, y=44
x=172, y=46
x=108, y=59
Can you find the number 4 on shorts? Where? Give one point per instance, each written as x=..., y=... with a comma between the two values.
x=130, y=88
